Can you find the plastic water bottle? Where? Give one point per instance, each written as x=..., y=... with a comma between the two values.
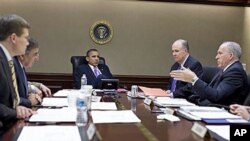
x=83, y=81
x=82, y=114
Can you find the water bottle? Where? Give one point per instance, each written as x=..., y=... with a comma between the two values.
x=82, y=114
x=134, y=91
x=133, y=104
x=83, y=81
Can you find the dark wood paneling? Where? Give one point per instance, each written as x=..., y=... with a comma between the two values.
x=210, y=2
x=58, y=81
x=54, y=81
x=248, y=3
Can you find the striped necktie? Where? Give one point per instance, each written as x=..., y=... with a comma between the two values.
x=13, y=77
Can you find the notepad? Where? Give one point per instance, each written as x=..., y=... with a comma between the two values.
x=125, y=116
x=54, y=115
x=49, y=133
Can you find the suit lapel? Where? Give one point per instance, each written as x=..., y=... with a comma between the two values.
x=20, y=73
x=4, y=63
x=91, y=73
x=101, y=68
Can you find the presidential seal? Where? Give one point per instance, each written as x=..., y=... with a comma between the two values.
x=101, y=32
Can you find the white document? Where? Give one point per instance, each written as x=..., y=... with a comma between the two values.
x=103, y=106
x=54, y=115
x=125, y=116
x=168, y=117
x=64, y=92
x=201, y=109
x=96, y=98
x=172, y=102
x=215, y=115
x=49, y=133
x=221, y=130
x=188, y=115
x=55, y=102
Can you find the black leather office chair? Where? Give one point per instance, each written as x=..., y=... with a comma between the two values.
x=247, y=100
x=209, y=72
x=79, y=60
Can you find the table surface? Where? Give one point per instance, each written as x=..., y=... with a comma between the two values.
x=149, y=129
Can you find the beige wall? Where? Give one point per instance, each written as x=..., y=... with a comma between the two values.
x=143, y=32
x=246, y=38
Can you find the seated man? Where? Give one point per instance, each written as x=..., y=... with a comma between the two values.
x=14, y=31
x=229, y=86
x=180, y=51
x=241, y=110
x=93, y=70
x=28, y=97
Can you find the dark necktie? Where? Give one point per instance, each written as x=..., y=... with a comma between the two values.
x=13, y=77
x=217, y=79
x=25, y=80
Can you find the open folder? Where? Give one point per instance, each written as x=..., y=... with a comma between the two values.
x=153, y=91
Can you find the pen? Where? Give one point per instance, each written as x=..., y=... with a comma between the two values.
x=49, y=107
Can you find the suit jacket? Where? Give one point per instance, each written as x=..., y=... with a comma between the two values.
x=7, y=113
x=22, y=83
x=1, y=128
x=91, y=79
x=226, y=88
x=184, y=89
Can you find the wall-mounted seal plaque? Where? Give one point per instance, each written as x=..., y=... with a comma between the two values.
x=101, y=32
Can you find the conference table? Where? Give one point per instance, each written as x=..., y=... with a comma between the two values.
x=150, y=129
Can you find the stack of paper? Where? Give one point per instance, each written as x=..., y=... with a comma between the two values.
x=59, y=102
x=219, y=132
x=210, y=115
x=125, y=116
x=153, y=91
x=103, y=106
x=201, y=109
x=65, y=92
x=54, y=115
x=49, y=133
x=171, y=102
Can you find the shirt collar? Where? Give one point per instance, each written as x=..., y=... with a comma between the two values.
x=6, y=52
x=228, y=66
x=92, y=67
x=182, y=64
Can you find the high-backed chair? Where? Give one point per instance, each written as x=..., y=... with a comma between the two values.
x=79, y=60
x=209, y=72
x=247, y=100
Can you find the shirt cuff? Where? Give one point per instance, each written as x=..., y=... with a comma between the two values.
x=194, y=80
x=33, y=89
x=172, y=95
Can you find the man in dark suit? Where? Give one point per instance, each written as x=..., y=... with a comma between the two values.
x=14, y=32
x=93, y=70
x=180, y=51
x=22, y=83
x=1, y=128
x=228, y=86
x=28, y=97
